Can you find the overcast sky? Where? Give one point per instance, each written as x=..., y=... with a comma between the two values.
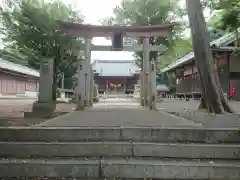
x=94, y=11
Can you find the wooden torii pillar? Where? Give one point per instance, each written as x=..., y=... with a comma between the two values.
x=148, y=85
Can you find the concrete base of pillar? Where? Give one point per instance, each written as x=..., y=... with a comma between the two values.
x=152, y=107
x=95, y=100
x=91, y=101
x=42, y=110
x=86, y=103
x=79, y=103
x=146, y=103
x=79, y=108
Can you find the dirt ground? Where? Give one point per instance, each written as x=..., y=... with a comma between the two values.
x=12, y=112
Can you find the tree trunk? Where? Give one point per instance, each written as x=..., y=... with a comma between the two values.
x=212, y=95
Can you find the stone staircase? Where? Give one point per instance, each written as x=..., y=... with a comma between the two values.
x=120, y=153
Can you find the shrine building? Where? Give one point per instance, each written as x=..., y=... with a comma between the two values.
x=116, y=76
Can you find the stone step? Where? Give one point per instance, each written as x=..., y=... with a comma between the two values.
x=82, y=167
x=119, y=149
x=121, y=168
x=170, y=169
x=144, y=134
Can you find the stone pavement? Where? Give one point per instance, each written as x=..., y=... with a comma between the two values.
x=118, y=112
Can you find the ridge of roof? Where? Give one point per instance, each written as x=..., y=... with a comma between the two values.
x=116, y=68
x=114, y=61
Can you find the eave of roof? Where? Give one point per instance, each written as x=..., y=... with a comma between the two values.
x=162, y=87
x=18, y=68
x=224, y=49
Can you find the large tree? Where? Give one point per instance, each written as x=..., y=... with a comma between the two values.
x=31, y=28
x=212, y=95
x=151, y=12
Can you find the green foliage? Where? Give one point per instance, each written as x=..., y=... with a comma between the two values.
x=178, y=49
x=215, y=33
x=227, y=16
x=149, y=12
x=17, y=55
x=12, y=56
x=31, y=30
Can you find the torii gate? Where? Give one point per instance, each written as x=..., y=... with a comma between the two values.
x=85, y=76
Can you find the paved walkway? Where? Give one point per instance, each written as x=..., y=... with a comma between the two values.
x=118, y=112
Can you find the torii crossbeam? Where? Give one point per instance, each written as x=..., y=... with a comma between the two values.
x=82, y=30
x=116, y=33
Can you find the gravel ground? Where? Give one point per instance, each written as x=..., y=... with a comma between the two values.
x=12, y=112
x=191, y=105
x=189, y=110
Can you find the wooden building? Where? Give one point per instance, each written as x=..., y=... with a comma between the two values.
x=226, y=64
x=17, y=80
x=116, y=76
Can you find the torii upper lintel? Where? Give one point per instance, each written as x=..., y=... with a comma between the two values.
x=83, y=30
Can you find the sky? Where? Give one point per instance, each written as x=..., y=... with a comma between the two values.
x=94, y=11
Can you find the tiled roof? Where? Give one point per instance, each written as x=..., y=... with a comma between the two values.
x=115, y=68
x=222, y=41
x=7, y=65
x=162, y=87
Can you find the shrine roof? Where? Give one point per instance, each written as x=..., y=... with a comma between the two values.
x=7, y=65
x=115, y=67
x=219, y=43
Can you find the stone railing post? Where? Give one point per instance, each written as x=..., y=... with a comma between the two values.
x=141, y=88
x=88, y=69
x=152, y=85
x=80, y=89
x=145, y=69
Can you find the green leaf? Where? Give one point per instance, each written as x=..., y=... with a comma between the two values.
x=151, y=12
x=31, y=33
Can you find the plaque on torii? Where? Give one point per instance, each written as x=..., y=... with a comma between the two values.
x=116, y=33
